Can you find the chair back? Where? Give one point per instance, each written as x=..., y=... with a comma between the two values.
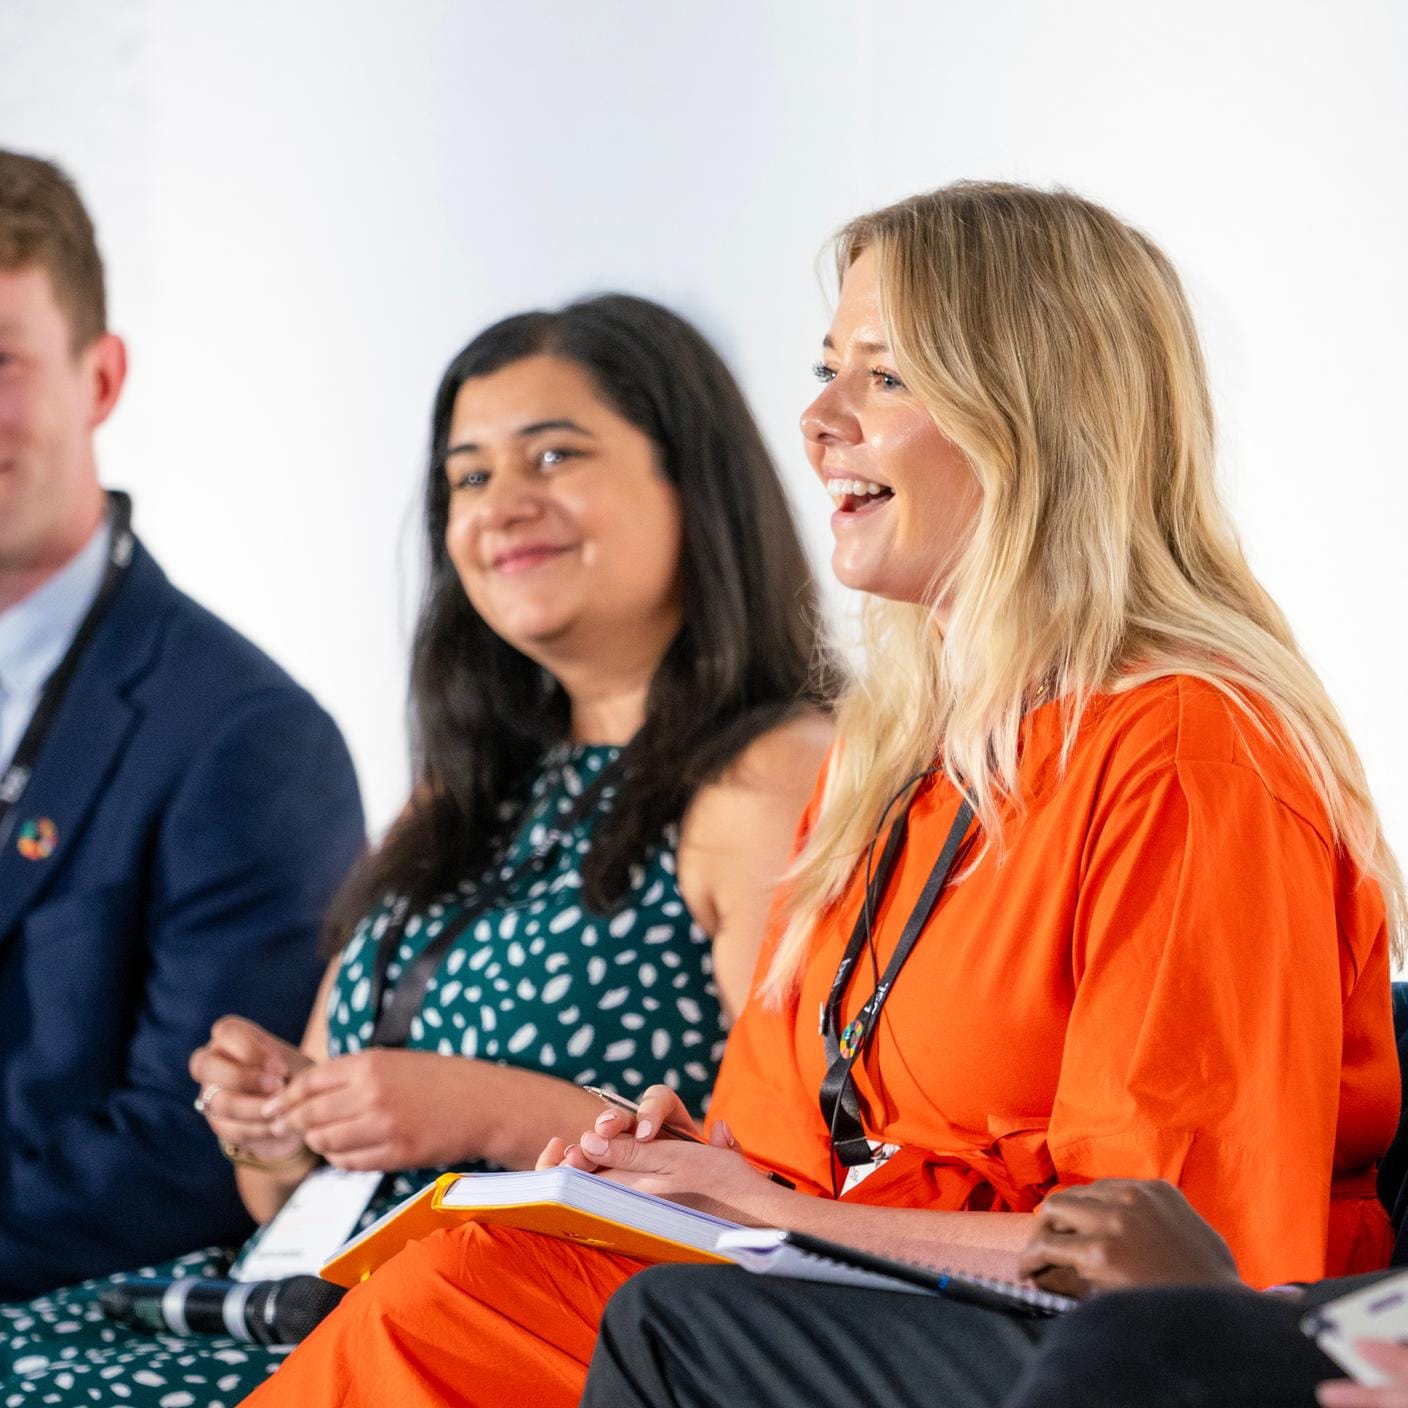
x=1393, y=1168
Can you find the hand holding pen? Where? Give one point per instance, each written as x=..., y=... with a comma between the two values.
x=660, y=1115
x=655, y=1116
x=650, y=1120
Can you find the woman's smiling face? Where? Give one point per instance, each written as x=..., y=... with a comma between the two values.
x=563, y=527
x=905, y=496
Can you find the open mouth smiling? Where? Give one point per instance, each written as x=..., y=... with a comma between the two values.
x=858, y=495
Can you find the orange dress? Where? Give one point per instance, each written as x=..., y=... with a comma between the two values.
x=1171, y=974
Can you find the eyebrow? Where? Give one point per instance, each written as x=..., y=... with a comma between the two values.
x=868, y=348
x=524, y=432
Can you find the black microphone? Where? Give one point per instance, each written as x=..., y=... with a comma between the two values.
x=257, y=1312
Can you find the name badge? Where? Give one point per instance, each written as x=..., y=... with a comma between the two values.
x=858, y=1173
x=320, y=1216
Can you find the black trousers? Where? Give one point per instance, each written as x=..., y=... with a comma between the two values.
x=717, y=1337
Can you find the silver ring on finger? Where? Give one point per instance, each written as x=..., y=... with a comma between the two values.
x=207, y=1094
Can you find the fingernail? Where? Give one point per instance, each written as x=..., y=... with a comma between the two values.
x=605, y=1115
x=278, y=1127
x=645, y=1129
x=568, y=1152
x=594, y=1144
x=271, y=1107
x=269, y=1082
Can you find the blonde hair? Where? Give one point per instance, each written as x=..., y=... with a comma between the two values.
x=1054, y=346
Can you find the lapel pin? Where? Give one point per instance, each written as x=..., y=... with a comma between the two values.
x=37, y=839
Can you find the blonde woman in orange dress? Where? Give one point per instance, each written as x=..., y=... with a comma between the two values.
x=1162, y=948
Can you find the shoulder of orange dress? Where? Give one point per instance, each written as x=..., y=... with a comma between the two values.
x=1176, y=720
x=1222, y=738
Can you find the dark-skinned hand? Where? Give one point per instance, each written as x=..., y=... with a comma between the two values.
x=1120, y=1232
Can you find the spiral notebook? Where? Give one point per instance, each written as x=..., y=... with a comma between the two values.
x=771, y=1251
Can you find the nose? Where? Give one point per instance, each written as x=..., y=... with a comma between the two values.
x=504, y=503
x=506, y=500
x=828, y=421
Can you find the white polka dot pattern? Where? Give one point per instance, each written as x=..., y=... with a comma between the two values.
x=548, y=963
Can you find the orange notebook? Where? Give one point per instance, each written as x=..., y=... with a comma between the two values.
x=556, y=1202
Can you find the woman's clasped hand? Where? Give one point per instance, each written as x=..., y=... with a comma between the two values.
x=378, y=1108
x=238, y=1070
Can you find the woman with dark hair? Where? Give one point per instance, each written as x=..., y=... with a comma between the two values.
x=617, y=694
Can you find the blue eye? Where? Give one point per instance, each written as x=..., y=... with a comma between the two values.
x=823, y=373
x=888, y=380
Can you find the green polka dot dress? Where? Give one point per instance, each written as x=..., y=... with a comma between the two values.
x=536, y=980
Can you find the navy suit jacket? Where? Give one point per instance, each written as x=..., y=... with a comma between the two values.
x=206, y=809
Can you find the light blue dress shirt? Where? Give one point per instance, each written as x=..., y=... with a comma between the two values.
x=35, y=633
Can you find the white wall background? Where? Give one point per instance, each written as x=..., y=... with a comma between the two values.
x=307, y=207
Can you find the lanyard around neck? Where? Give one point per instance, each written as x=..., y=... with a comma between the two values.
x=840, y=1104
x=396, y=1009
x=16, y=777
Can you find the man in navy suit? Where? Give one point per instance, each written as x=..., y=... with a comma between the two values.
x=175, y=812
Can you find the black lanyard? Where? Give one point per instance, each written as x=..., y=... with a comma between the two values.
x=51, y=697
x=396, y=1010
x=840, y=1104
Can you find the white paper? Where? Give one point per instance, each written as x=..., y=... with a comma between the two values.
x=320, y=1216
x=1378, y=1312
x=763, y=1250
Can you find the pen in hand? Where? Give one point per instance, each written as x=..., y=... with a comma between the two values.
x=630, y=1107
x=666, y=1131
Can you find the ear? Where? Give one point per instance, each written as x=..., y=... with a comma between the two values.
x=107, y=367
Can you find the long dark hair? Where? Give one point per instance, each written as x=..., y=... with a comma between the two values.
x=748, y=652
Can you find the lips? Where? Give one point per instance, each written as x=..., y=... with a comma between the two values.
x=525, y=558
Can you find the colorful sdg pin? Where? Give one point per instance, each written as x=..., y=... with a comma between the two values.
x=850, y=1038
x=37, y=839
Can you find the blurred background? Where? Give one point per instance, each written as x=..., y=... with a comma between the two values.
x=307, y=207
